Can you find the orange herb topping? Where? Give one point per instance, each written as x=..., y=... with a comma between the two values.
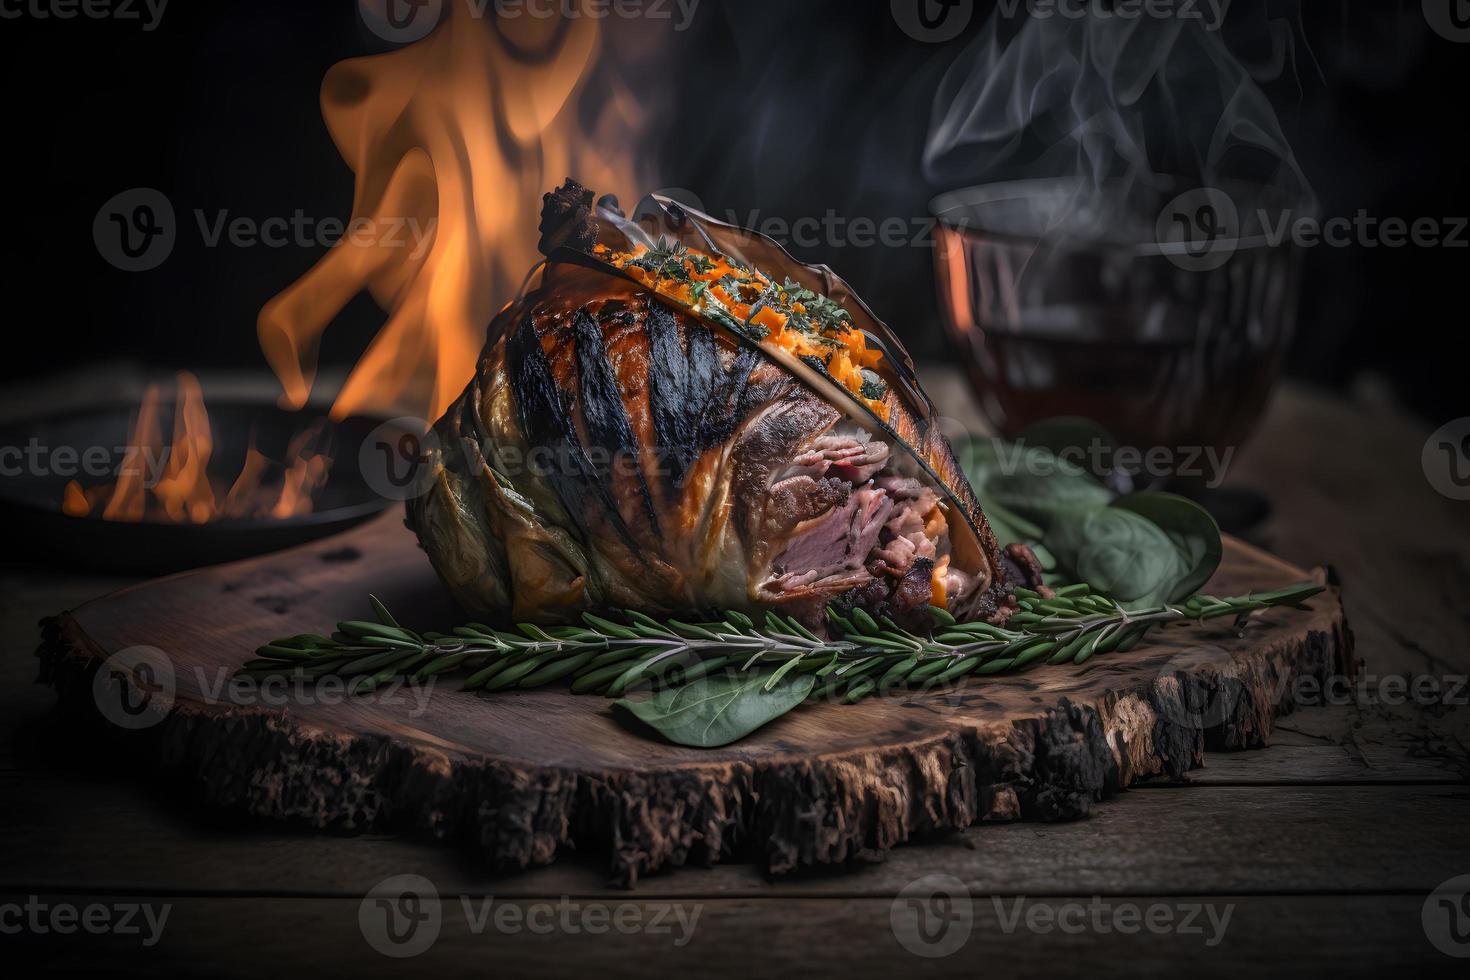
x=785, y=315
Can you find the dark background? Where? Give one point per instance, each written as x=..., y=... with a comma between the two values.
x=792, y=109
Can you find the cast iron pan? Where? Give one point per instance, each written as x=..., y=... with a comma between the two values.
x=37, y=530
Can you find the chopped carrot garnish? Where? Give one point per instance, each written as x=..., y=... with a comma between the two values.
x=811, y=326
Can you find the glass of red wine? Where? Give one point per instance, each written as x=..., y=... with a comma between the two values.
x=1159, y=312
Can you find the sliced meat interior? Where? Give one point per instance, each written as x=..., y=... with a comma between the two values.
x=836, y=544
x=877, y=538
x=855, y=458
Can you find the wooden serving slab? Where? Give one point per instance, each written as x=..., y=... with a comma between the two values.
x=519, y=775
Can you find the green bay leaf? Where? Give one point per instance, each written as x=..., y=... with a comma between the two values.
x=1129, y=558
x=719, y=709
x=1192, y=530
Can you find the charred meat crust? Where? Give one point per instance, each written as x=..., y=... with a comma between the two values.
x=1023, y=569
x=566, y=219
x=546, y=422
x=674, y=470
x=766, y=446
x=1019, y=568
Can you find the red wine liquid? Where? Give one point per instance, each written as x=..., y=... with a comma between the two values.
x=1157, y=355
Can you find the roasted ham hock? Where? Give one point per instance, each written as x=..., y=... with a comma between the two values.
x=677, y=417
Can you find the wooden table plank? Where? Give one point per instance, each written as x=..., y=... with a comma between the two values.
x=1331, y=765
x=777, y=936
x=69, y=832
x=1401, y=549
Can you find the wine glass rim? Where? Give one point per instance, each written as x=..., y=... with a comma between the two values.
x=968, y=199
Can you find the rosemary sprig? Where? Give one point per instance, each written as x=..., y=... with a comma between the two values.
x=862, y=657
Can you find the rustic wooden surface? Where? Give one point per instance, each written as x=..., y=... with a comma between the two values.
x=1327, y=843
x=522, y=776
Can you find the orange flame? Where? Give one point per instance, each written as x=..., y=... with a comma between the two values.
x=452, y=140
x=184, y=492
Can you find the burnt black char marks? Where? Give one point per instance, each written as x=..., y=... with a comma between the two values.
x=602, y=401
x=547, y=423
x=695, y=402
x=733, y=400
x=603, y=411
x=698, y=395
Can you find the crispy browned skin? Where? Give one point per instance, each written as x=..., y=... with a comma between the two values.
x=613, y=452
